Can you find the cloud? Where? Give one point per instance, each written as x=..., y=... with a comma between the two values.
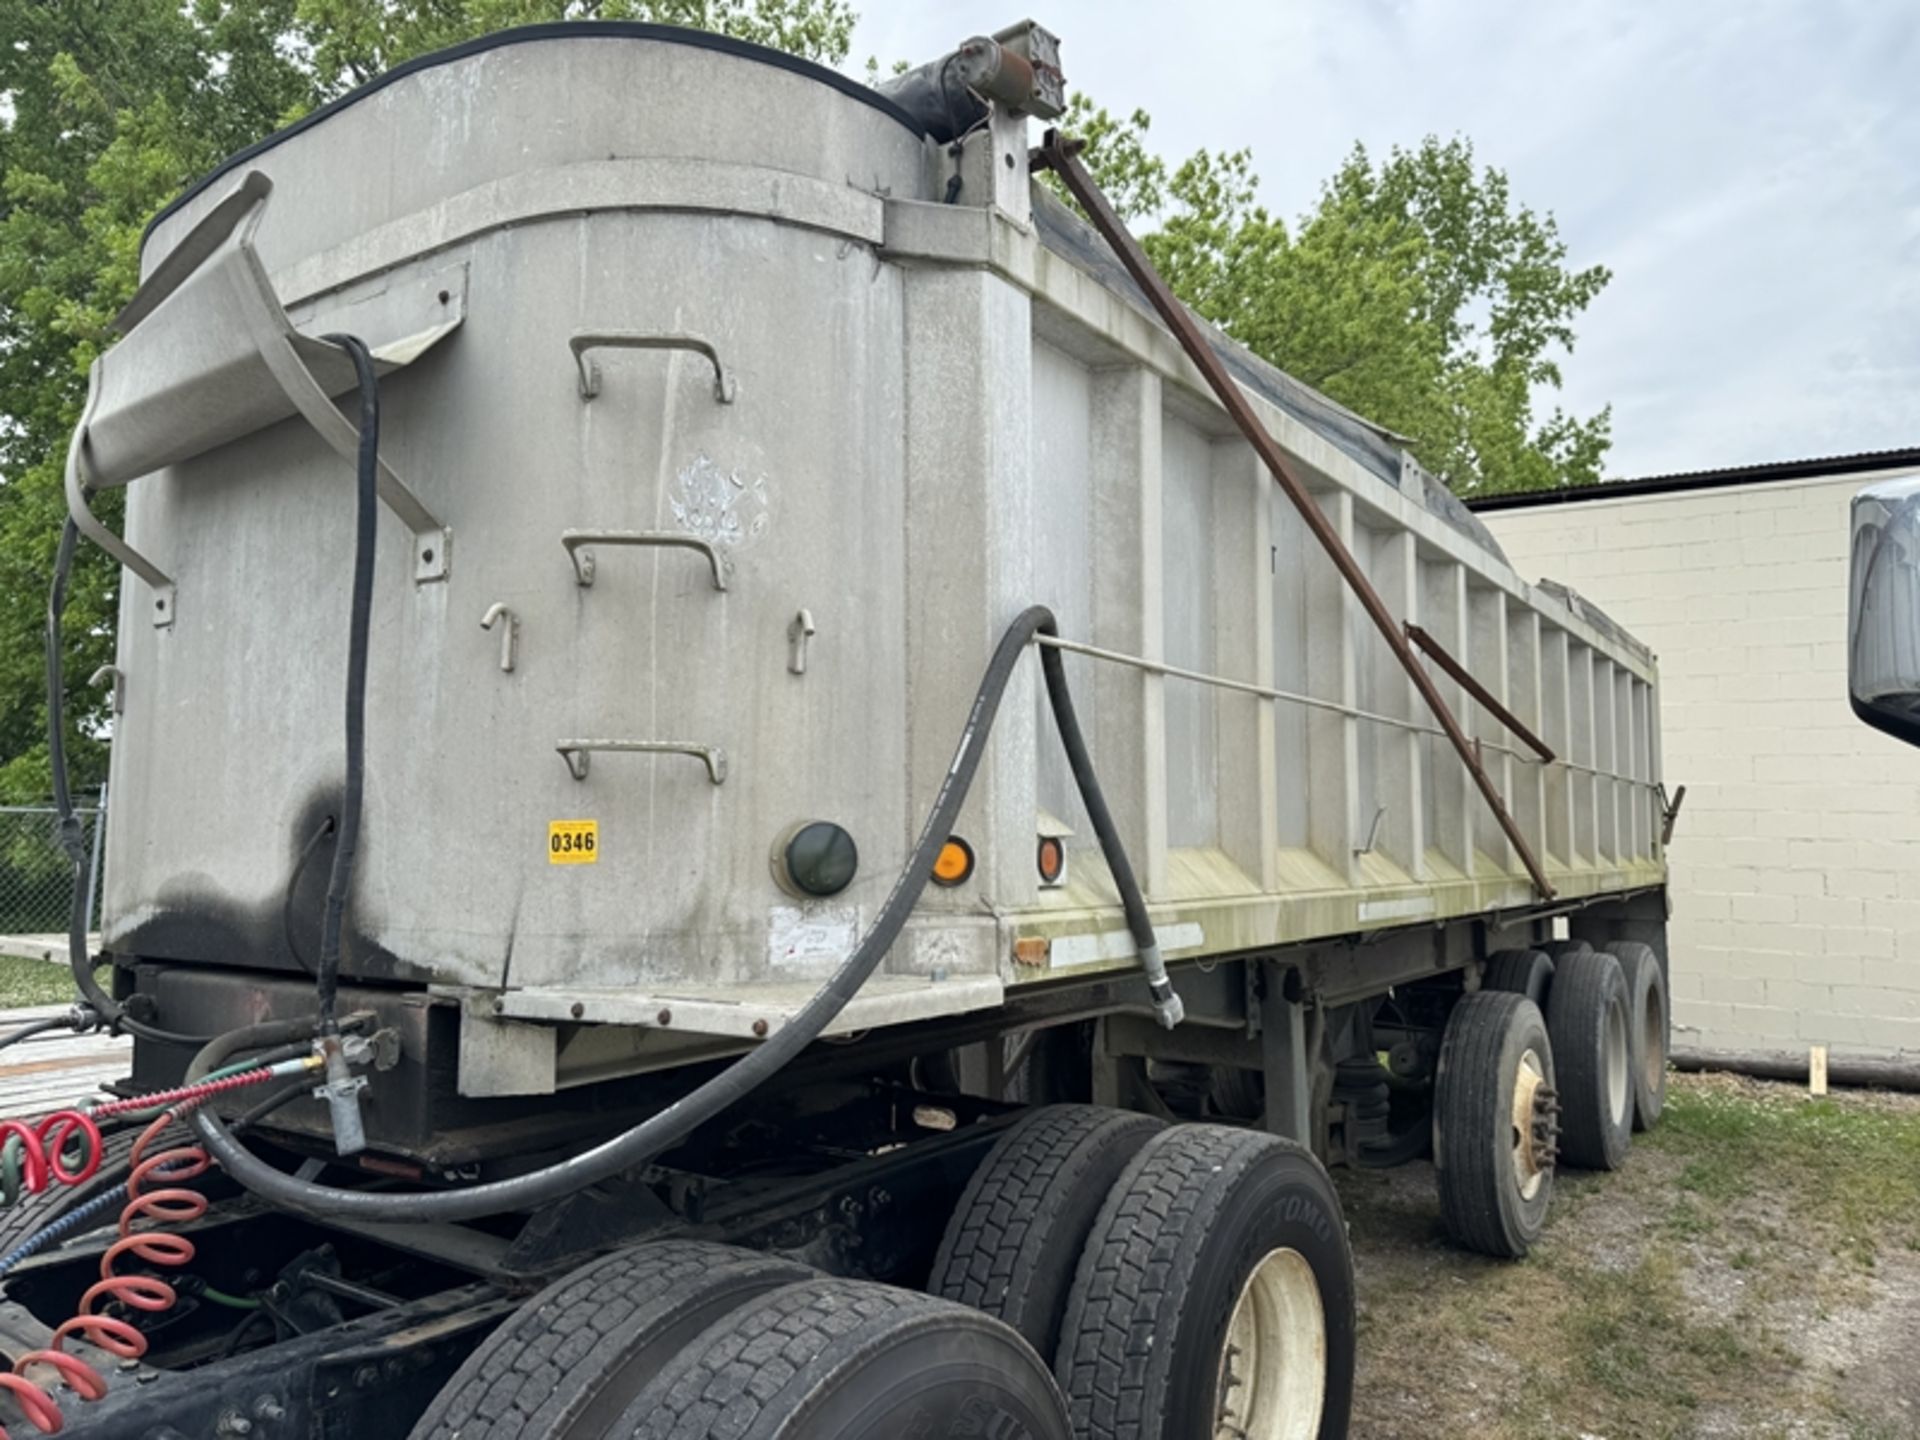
x=1745, y=170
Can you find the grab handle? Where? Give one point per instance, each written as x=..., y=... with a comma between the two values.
x=578, y=543
x=577, y=753
x=641, y=340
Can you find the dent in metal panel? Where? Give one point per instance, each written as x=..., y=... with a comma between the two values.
x=1448, y=821
x=1525, y=795
x=1581, y=749
x=1368, y=545
x=1063, y=560
x=723, y=507
x=1287, y=565
x=1187, y=547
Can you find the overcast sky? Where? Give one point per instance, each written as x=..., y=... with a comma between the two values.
x=1748, y=169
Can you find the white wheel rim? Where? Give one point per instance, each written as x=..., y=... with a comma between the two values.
x=1273, y=1369
x=1653, y=1041
x=1619, y=1064
x=1529, y=1165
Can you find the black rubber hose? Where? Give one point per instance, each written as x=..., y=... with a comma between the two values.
x=1080, y=759
x=69, y=831
x=673, y=1124
x=293, y=884
x=326, y=975
x=38, y=1027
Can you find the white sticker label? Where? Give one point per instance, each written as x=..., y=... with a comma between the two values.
x=810, y=941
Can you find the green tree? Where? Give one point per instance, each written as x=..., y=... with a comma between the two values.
x=352, y=41
x=1416, y=292
x=108, y=108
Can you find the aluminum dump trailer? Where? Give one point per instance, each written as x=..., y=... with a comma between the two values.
x=730, y=413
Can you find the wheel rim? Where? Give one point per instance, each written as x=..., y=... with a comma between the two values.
x=1273, y=1369
x=1653, y=1041
x=1619, y=1064
x=1532, y=1143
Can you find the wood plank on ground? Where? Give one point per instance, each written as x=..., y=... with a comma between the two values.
x=53, y=1071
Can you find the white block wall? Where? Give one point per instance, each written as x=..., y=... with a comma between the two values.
x=1796, y=860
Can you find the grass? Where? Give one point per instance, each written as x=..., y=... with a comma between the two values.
x=1686, y=1294
x=1846, y=1167
x=33, y=982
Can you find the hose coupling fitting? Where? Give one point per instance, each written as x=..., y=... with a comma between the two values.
x=1167, y=1008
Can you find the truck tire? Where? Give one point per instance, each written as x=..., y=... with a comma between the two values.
x=1520, y=972
x=1237, y=1094
x=568, y=1361
x=850, y=1360
x=1215, y=1296
x=1588, y=1018
x=1015, y=1237
x=1494, y=1124
x=1650, y=1029
x=32, y=1213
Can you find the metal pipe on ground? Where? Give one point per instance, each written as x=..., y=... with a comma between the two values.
x=1783, y=1065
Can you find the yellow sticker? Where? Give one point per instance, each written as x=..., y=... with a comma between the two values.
x=573, y=842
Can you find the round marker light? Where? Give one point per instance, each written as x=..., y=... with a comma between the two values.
x=815, y=859
x=1052, y=858
x=954, y=864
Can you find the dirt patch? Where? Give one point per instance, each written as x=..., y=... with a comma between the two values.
x=1754, y=1270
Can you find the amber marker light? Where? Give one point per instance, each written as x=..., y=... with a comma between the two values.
x=1052, y=859
x=954, y=864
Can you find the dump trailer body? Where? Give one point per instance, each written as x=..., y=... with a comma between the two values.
x=747, y=447
x=730, y=421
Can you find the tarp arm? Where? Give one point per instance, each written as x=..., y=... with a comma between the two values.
x=209, y=356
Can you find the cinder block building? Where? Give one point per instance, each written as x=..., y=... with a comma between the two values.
x=1796, y=857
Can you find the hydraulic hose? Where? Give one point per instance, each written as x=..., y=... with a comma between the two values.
x=666, y=1128
x=1166, y=1004
x=293, y=885
x=37, y=1027
x=347, y=831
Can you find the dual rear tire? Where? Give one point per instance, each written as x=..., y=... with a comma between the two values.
x=1210, y=1290
x=1185, y=1281
x=1557, y=1056
x=684, y=1340
x=1588, y=1018
x=1649, y=1023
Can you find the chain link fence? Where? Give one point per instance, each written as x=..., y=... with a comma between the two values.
x=36, y=877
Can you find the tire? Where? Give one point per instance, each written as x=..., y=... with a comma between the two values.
x=1495, y=1180
x=31, y=1213
x=1409, y=1132
x=1520, y=972
x=1015, y=1237
x=568, y=1361
x=1209, y=1230
x=850, y=1360
x=1057, y=1068
x=1650, y=1029
x=1237, y=1094
x=1588, y=1018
